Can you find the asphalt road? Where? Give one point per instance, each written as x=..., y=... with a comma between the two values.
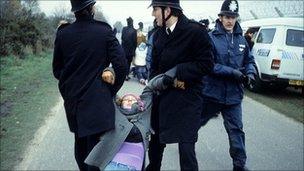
x=273, y=141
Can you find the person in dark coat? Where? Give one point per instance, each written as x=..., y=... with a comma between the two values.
x=129, y=41
x=82, y=51
x=205, y=23
x=176, y=111
x=248, y=36
x=224, y=88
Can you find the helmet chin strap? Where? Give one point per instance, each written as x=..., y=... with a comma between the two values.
x=163, y=17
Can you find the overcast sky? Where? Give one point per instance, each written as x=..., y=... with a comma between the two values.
x=193, y=9
x=120, y=10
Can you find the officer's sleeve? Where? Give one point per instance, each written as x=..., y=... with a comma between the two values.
x=57, y=59
x=117, y=58
x=202, y=62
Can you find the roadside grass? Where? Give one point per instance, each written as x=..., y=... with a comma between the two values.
x=289, y=102
x=28, y=92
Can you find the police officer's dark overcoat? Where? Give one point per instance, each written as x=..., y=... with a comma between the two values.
x=188, y=47
x=82, y=51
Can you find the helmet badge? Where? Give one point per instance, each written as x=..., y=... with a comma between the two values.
x=233, y=6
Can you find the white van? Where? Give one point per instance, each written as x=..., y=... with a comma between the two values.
x=279, y=52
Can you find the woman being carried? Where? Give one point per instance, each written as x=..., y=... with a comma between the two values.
x=124, y=147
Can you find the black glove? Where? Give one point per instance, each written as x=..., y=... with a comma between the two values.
x=239, y=76
x=250, y=80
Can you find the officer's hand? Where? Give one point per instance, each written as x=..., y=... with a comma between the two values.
x=250, y=80
x=108, y=77
x=239, y=76
x=179, y=84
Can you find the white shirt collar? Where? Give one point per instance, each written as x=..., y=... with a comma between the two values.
x=172, y=27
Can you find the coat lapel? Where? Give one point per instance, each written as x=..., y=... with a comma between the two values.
x=180, y=26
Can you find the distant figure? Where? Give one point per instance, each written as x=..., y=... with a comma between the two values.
x=249, y=36
x=129, y=42
x=141, y=38
x=205, y=23
x=140, y=63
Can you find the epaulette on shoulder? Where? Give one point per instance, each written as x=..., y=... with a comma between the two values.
x=63, y=26
x=103, y=23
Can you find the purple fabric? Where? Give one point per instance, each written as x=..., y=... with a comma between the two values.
x=131, y=154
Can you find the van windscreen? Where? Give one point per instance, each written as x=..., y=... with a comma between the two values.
x=266, y=35
x=295, y=38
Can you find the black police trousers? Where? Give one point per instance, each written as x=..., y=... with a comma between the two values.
x=83, y=146
x=187, y=156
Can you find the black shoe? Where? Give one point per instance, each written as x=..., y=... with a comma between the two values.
x=239, y=168
x=127, y=78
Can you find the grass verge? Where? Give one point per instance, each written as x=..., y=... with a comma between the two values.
x=289, y=102
x=28, y=92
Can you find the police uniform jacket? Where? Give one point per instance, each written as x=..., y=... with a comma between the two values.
x=188, y=48
x=82, y=51
x=231, y=51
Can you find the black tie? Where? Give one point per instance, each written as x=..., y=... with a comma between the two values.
x=169, y=31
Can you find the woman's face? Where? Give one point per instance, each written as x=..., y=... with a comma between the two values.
x=127, y=101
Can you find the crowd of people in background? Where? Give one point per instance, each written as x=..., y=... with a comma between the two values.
x=140, y=57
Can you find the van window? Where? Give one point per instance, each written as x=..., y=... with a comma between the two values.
x=295, y=38
x=266, y=35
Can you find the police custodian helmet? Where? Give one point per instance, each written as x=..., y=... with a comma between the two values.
x=230, y=8
x=78, y=5
x=166, y=3
x=204, y=22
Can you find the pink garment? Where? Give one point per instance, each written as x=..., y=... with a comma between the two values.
x=131, y=154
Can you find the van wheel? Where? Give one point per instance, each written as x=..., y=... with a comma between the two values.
x=278, y=86
x=258, y=86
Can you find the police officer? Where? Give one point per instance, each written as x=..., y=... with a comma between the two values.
x=129, y=41
x=176, y=111
x=223, y=89
x=82, y=51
